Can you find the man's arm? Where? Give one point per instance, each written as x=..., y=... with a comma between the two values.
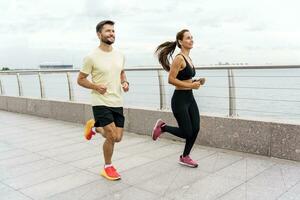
x=123, y=77
x=124, y=82
x=84, y=82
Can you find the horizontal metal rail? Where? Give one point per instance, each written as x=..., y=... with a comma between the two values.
x=156, y=67
x=231, y=86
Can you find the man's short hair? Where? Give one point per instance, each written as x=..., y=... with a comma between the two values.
x=100, y=25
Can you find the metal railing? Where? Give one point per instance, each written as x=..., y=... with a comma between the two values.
x=161, y=78
x=18, y=73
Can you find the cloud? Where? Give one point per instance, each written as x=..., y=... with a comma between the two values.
x=222, y=31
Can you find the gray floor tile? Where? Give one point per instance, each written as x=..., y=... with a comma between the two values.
x=292, y=194
x=12, y=153
x=95, y=190
x=40, y=176
x=246, y=168
x=207, y=188
x=19, y=170
x=218, y=161
x=58, y=163
x=59, y=185
x=170, y=181
x=131, y=193
x=19, y=160
x=7, y=193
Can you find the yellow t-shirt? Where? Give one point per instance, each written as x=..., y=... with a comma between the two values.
x=105, y=68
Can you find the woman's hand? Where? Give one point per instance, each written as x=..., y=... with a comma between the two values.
x=202, y=81
x=195, y=85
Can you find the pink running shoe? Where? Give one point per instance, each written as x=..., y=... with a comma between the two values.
x=157, y=129
x=187, y=161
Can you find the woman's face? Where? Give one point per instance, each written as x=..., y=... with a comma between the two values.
x=187, y=41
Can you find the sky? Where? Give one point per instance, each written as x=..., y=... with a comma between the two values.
x=34, y=32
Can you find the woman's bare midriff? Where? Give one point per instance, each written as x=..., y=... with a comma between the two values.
x=182, y=88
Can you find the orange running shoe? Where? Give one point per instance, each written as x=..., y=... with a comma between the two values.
x=88, y=132
x=110, y=173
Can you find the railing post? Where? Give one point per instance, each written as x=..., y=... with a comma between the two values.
x=162, y=91
x=71, y=97
x=19, y=85
x=1, y=88
x=232, y=97
x=41, y=86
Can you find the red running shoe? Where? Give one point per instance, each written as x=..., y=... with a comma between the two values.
x=110, y=173
x=88, y=132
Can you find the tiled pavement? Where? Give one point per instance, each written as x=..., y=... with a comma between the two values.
x=42, y=158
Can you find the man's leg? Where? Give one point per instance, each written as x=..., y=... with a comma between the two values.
x=109, y=170
x=101, y=131
x=119, y=120
x=110, y=134
x=90, y=130
x=119, y=134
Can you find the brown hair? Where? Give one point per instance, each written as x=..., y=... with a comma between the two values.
x=102, y=23
x=165, y=50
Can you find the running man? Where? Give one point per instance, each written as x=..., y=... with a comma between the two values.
x=106, y=66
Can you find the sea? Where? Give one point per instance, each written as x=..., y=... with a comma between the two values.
x=259, y=93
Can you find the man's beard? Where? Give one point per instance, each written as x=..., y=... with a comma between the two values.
x=107, y=41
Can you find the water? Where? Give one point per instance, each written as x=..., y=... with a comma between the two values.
x=259, y=93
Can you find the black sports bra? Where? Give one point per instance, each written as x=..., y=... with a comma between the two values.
x=187, y=73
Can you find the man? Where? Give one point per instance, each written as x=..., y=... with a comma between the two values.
x=106, y=66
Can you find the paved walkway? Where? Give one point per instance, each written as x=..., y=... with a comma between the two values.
x=47, y=159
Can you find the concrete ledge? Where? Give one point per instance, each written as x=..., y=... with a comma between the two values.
x=285, y=141
x=237, y=134
x=3, y=103
x=39, y=107
x=67, y=111
x=70, y=111
x=252, y=136
x=15, y=104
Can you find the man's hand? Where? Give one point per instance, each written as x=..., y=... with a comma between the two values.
x=101, y=88
x=125, y=86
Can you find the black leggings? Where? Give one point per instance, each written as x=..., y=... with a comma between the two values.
x=185, y=110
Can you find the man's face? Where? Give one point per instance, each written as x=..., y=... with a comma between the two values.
x=107, y=34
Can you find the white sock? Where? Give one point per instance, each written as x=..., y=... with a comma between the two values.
x=107, y=165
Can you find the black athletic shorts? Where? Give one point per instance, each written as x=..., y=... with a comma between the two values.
x=105, y=115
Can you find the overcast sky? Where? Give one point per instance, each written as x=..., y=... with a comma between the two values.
x=34, y=32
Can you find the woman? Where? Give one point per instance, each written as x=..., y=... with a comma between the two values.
x=184, y=106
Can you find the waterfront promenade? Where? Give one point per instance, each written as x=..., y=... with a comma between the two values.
x=42, y=158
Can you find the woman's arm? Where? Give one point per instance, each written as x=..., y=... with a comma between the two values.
x=177, y=64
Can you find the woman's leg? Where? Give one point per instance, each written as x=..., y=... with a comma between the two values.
x=195, y=123
x=185, y=127
x=180, y=105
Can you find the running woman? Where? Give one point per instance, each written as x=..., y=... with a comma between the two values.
x=183, y=104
